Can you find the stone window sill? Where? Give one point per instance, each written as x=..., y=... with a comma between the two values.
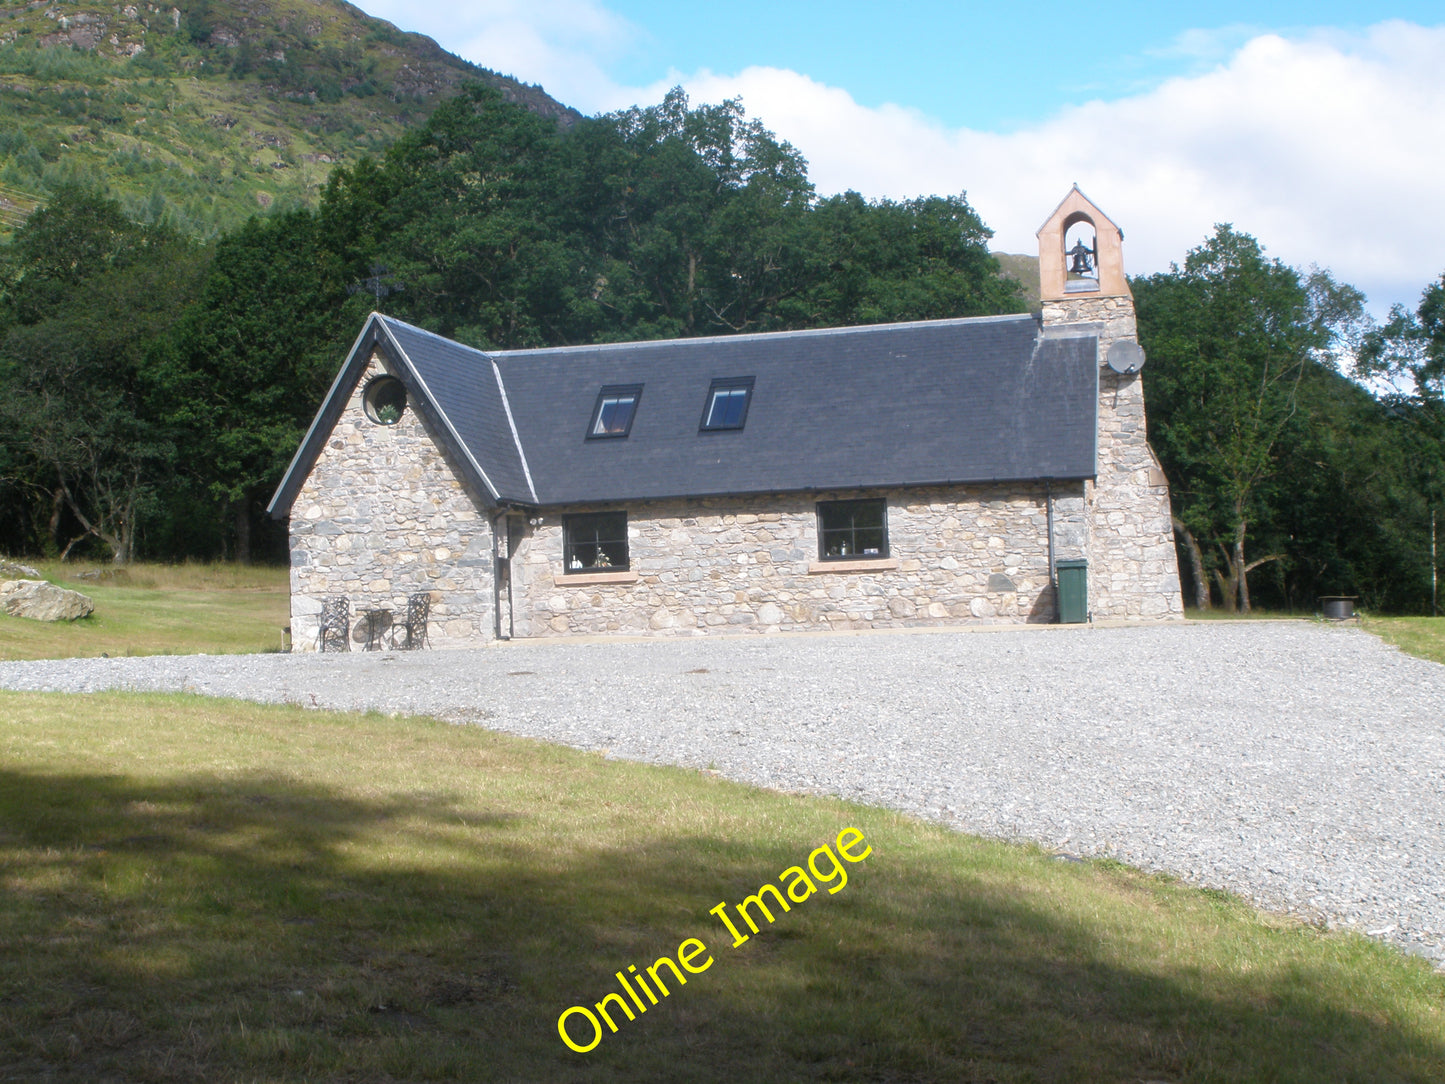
x=872, y=564
x=587, y=579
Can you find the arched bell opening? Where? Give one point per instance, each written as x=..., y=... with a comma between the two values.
x=1081, y=254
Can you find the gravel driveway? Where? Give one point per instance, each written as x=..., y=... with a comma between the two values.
x=1299, y=764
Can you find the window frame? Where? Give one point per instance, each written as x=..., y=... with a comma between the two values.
x=854, y=554
x=578, y=521
x=729, y=383
x=614, y=391
x=377, y=387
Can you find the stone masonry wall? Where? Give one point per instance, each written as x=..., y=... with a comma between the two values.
x=382, y=516
x=1133, y=567
x=965, y=555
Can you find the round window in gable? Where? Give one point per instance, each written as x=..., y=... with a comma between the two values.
x=384, y=400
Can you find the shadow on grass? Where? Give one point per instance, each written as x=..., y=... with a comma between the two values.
x=228, y=928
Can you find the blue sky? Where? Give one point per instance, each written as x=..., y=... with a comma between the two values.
x=994, y=66
x=1319, y=128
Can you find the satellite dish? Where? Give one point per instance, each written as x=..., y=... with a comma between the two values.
x=1126, y=357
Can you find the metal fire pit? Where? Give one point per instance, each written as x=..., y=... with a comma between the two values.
x=1338, y=607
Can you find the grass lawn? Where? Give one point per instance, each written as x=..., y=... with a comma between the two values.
x=198, y=889
x=217, y=609
x=1422, y=636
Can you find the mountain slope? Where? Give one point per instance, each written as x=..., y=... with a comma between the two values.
x=207, y=111
x=1024, y=270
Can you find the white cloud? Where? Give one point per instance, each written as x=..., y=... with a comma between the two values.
x=1212, y=45
x=1329, y=148
x=562, y=44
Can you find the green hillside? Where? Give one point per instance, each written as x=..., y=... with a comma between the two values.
x=1025, y=271
x=207, y=111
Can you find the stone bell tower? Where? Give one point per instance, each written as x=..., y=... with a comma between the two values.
x=1128, y=536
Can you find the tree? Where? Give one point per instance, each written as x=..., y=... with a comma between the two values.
x=86, y=292
x=237, y=378
x=660, y=221
x=700, y=226
x=468, y=214
x=1409, y=350
x=922, y=259
x=1230, y=338
x=1410, y=346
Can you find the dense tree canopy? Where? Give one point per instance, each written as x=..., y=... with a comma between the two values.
x=1409, y=351
x=1278, y=463
x=85, y=294
x=651, y=223
x=239, y=372
x=488, y=224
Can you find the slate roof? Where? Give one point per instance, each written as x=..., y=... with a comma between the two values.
x=992, y=399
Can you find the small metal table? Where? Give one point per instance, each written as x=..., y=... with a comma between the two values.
x=377, y=622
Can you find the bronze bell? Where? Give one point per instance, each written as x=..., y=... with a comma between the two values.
x=1083, y=259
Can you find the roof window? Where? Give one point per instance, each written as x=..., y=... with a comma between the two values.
x=616, y=405
x=727, y=403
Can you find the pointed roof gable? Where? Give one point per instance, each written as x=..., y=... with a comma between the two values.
x=454, y=387
x=1077, y=201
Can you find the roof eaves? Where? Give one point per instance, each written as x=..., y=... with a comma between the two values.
x=832, y=487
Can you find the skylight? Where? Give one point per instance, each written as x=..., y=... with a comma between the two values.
x=727, y=403
x=616, y=405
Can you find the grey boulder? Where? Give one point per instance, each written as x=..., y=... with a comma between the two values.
x=41, y=601
x=14, y=570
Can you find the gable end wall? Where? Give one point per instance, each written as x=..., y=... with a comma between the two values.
x=383, y=515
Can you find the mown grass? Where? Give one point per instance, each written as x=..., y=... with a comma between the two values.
x=1421, y=636
x=206, y=890
x=158, y=610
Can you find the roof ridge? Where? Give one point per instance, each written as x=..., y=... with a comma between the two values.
x=430, y=334
x=852, y=329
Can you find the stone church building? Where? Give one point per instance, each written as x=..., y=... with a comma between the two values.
x=928, y=473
